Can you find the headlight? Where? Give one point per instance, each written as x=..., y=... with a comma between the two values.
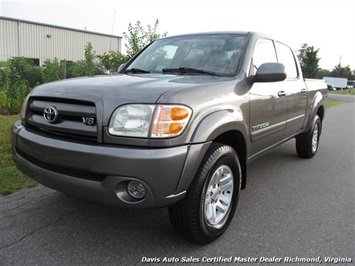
x=156, y=121
x=132, y=120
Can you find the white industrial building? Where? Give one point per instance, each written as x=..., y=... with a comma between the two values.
x=39, y=41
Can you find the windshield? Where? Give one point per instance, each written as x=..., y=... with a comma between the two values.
x=207, y=54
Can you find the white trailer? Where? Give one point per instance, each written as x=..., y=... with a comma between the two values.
x=338, y=83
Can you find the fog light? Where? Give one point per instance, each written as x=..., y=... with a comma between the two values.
x=136, y=189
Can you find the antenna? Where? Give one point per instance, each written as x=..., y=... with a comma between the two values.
x=113, y=24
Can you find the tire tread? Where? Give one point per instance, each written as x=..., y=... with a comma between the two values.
x=184, y=214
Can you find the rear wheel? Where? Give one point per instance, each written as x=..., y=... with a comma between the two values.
x=308, y=142
x=208, y=208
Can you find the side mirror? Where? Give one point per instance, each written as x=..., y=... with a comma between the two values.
x=270, y=72
x=121, y=67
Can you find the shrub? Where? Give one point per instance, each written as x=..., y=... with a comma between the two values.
x=19, y=75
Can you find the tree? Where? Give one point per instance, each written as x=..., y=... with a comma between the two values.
x=323, y=73
x=112, y=60
x=24, y=69
x=342, y=72
x=89, y=60
x=18, y=74
x=309, y=60
x=87, y=67
x=52, y=70
x=137, y=37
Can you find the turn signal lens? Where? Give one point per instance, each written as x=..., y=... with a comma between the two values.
x=170, y=121
x=175, y=128
x=179, y=113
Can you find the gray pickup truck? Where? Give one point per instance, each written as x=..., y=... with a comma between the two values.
x=176, y=126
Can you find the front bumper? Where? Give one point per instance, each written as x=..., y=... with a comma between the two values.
x=102, y=172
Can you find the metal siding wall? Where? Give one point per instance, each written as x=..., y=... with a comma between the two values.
x=8, y=39
x=64, y=44
x=30, y=40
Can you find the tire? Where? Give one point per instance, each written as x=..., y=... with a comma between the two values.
x=307, y=143
x=211, y=200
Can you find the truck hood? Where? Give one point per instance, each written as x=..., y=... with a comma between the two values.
x=122, y=89
x=109, y=92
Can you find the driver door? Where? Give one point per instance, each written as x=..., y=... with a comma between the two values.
x=268, y=103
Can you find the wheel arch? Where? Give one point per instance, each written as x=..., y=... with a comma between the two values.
x=226, y=127
x=317, y=107
x=320, y=113
x=236, y=140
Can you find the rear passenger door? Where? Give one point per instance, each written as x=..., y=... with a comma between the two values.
x=296, y=91
x=267, y=103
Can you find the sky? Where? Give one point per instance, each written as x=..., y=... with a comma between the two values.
x=328, y=25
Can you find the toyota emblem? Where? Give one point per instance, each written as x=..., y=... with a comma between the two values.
x=50, y=114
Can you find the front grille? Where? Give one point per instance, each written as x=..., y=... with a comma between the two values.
x=71, y=118
x=73, y=172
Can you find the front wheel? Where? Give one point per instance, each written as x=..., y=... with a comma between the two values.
x=307, y=143
x=208, y=208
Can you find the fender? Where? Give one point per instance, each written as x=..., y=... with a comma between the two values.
x=318, y=100
x=211, y=127
x=219, y=122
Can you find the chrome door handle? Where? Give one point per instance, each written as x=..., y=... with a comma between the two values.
x=281, y=93
x=303, y=91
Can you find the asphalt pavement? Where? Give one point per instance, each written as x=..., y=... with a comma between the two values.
x=293, y=211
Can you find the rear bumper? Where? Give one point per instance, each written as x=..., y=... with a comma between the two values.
x=101, y=173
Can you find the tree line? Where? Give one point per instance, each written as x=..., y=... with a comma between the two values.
x=19, y=75
x=309, y=61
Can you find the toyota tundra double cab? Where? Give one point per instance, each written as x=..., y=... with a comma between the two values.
x=177, y=126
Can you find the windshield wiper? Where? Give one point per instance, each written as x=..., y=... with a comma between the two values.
x=187, y=70
x=136, y=71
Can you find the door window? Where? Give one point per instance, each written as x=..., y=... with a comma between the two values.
x=285, y=56
x=264, y=52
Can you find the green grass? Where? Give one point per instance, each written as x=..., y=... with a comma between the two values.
x=345, y=91
x=11, y=179
x=332, y=103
